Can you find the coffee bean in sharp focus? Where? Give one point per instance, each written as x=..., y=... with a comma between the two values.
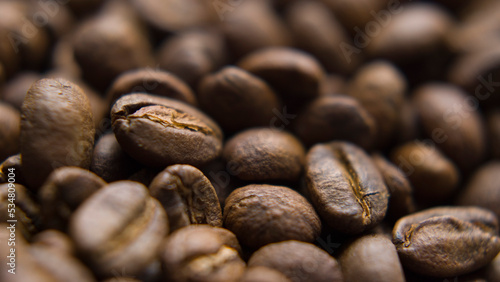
x=187, y=196
x=119, y=229
x=57, y=129
x=345, y=187
x=298, y=261
x=264, y=154
x=159, y=131
x=264, y=214
x=447, y=241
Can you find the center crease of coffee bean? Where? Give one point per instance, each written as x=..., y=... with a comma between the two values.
x=206, y=264
x=193, y=206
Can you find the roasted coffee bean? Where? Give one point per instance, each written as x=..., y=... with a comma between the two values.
x=82, y=7
x=150, y=81
x=452, y=123
x=63, y=191
x=265, y=154
x=237, y=100
x=202, y=253
x=400, y=190
x=159, y=131
x=192, y=54
x=9, y=131
x=494, y=133
x=263, y=274
x=55, y=240
x=187, y=196
x=130, y=224
x=317, y=31
x=433, y=176
x=264, y=214
x=483, y=189
x=371, y=258
x=299, y=261
x=57, y=129
x=24, y=209
x=447, y=241
x=16, y=88
x=333, y=84
x=345, y=187
x=355, y=14
x=335, y=117
x=293, y=74
x=12, y=164
x=380, y=89
x=110, y=43
x=110, y=162
x=252, y=26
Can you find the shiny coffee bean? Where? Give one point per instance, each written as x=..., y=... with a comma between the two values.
x=345, y=187
x=187, y=196
x=447, y=241
x=264, y=214
x=159, y=131
x=57, y=129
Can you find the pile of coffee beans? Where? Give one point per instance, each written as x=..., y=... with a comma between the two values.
x=249, y=140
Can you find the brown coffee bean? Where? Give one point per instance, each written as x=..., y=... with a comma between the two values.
x=237, y=99
x=16, y=88
x=380, y=89
x=355, y=14
x=483, y=189
x=63, y=191
x=12, y=164
x=130, y=224
x=263, y=274
x=345, y=187
x=333, y=84
x=109, y=44
x=452, y=123
x=371, y=258
x=335, y=117
x=110, y=162
x=434, y=177
x=293, y=74
x=400, y=190
x=57, y=129
x=159, y=131
x=299, y=261
x=265, y=154
x=25, y=210
x=54, y=240
x=187, y=196
x=192, y=54
x=201, y=253
x=260, y=215
x=150, y=81
x=63, y=59
x=10, y=119
x=447, y=241
x=253, y=25
x=316, y=30
x=494, y=133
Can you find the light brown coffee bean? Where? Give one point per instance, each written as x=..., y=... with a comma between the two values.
x=187, y=196
x=57, y=129
x=260, y=215
x=12, y=164
x=494, y=133
x=16, y=203
x=263, y=274
x=10, y=119
x=345, y=187
x=55, y=240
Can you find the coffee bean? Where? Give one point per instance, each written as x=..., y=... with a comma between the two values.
x=358, y=14
x=434, y=177
x=483, y=189
x=400, y=190
x=447, y=241
x=371, y=258
x=187, y=196
x=130, y=224
x=57, y=129
x=192, y=54
x=259, y=215
x=299, y=261
x=265, y=154
x=63, y=191
x=159, y=131
x=9, y=131
x=494, y=133
x=14, y=91
x=110, y=162
x=201, y=253
x=150, y=81
x=237, y=99
x=345, y=187
x=333, y=84
x=26, y=210
x=293, y=74
x=452, y=123
x=335, y=117
x=263, y=274
x=55, y=240
x=380, y=89
x=12, y=163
